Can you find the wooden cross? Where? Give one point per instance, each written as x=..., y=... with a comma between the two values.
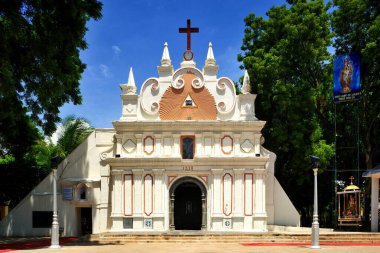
x=189, y=30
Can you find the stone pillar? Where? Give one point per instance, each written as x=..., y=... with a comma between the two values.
x=104, y=197
x=171, y=212
x=204, y=211
x=117, y=211
x=374, y=204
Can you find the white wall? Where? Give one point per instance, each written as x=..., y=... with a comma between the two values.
x=285, y=214
x=82, y=163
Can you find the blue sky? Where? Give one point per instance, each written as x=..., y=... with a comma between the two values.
x=132, y=34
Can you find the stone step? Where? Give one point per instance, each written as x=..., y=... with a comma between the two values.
x=229, y=238
x=238, y=239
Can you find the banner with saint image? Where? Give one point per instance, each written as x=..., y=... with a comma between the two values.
x=346, y=77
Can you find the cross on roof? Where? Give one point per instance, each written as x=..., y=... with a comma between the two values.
x=351, y=178
x=189, y=30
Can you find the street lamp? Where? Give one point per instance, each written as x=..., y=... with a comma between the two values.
x=315, y=225
x=55, y=225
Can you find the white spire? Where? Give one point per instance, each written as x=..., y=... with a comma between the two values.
x=246, y=87
x=165, y=60
x=210, y=59
x=131, y=78
x=130, y=87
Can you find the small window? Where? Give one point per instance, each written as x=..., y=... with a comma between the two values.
x=42, y=219
x=127, y=223
x=82, y=192
x=189, y=102
x=187, y=147
x=68, y=193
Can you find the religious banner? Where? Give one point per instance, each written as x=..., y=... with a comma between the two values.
x=346, y=77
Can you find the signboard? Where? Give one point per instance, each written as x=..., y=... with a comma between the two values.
x=68, y=193
x=346, y=77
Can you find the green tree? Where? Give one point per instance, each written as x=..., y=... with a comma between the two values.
x=74, y=131
x=356, y=26
x=35, y=163
x=289, y=66
x=40, y=66
x=19, y=176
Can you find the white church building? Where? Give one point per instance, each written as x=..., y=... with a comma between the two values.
x=186, y=154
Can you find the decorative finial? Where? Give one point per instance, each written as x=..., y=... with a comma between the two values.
x=246, y=87
x=165, y=60
x=210, y=59
x=131, y=78
x=130, y=87
x=351, y=178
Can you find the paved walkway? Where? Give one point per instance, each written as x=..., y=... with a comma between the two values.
x=198, y=248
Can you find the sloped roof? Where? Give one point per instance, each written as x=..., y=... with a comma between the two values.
x=370, y=172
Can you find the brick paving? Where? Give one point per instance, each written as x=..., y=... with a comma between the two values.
x=196, y=248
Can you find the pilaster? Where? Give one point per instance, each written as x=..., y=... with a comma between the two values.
x=198, y=145
x=239, y=193
x=118, y=138
x=217, y=151
x=104, y=197
x=176, y=147
x=259, y=210
x=158, y=145
x=237, y=144
x=217, y=192
x=257, y=144
x=117, y=215
x=159, y=180
x=139, y=145
x=138, y=191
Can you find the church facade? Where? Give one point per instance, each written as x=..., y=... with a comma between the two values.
x=186, y=154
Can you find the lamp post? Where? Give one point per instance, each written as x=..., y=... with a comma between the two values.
x=55, y=224
x=315, y=225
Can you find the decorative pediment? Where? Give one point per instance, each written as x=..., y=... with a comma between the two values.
x=187, y=99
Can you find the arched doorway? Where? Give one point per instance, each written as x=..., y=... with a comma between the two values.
x=188, y=204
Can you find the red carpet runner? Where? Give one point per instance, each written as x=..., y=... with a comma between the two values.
x=33, y=244
x=309, y=244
